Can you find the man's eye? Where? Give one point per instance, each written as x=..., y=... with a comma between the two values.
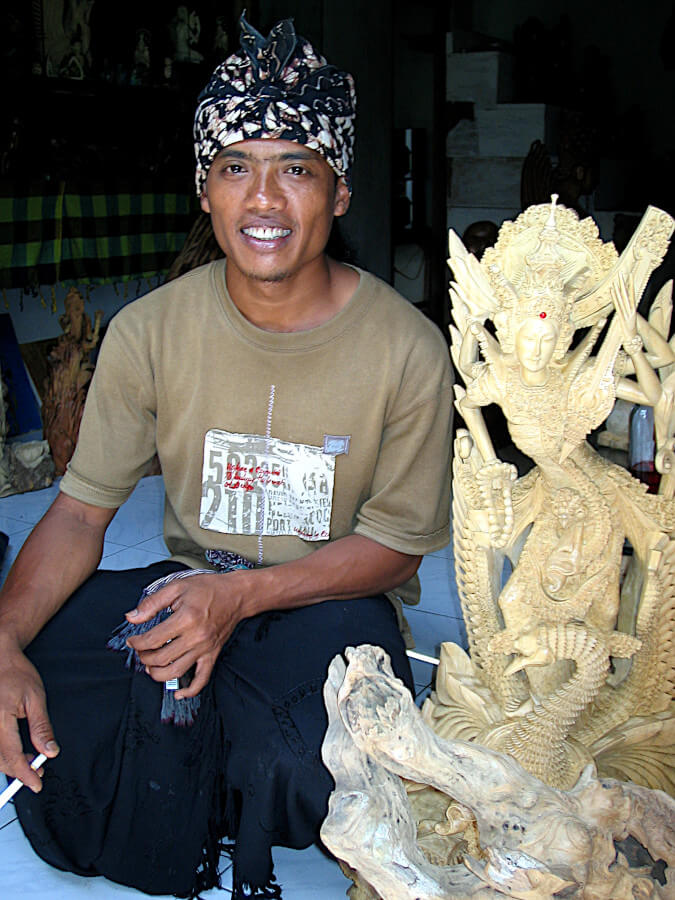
x=297, y=170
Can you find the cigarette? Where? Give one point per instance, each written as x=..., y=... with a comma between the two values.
x=16, y=785
x=422, y=657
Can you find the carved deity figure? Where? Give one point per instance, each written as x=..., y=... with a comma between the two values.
x=76, y=62
x=570, y=654
x=553, y=740
x=186, y=28
x=66, y=387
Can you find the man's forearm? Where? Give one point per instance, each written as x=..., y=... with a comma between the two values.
x=353, y=566
x=64, y=548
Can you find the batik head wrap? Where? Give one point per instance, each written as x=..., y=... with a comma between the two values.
x=276, y=87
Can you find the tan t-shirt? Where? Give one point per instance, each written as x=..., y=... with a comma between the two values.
x=270, y=444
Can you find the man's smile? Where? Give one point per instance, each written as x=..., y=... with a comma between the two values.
x=265, y=233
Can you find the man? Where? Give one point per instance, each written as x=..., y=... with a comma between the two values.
x=301, y=413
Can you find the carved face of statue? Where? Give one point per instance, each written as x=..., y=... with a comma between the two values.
x=535, y=343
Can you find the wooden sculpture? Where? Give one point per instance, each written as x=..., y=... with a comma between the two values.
x=555, y=736
x=24, y=465
x=66, y=387
x=571, y=656
x=526, y=840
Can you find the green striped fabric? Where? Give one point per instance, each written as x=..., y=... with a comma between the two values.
x=53, y=232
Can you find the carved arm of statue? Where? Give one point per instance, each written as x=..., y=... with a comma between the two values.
x=469, y=365
x=659, y=351
x=495, y=478
x=91, y=336
x=648, y=389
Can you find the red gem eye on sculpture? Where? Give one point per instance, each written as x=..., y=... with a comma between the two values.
x=542, y=315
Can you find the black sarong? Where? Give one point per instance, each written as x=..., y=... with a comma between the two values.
x=148, y=804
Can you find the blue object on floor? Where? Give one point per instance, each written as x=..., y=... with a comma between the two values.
x=22, y=413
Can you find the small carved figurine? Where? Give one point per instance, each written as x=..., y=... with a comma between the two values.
x=24, y=465
x=221, y=40
x=186, y=29
x=76, y=63
x=70, y=373
x=140, y=73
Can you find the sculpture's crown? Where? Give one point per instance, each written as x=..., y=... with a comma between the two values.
x=536, y=285
x=541, y=289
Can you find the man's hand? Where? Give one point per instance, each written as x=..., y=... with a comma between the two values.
x=22, y=696
x=62, y=551
x=206, y=609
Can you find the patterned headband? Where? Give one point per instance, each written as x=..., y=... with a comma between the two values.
x=278, y=87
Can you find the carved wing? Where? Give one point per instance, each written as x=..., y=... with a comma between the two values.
x=644, y=252
x=640, y=747
x=462, y=706
x=471, y=297
x=655, y=627
x=641, y=750
x=478, y=566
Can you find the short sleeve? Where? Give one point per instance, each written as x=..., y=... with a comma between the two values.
x=409, y=503
x=117, y=434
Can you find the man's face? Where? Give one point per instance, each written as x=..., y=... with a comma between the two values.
x=272, y=205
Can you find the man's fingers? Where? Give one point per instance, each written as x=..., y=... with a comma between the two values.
x=201, y=677
x=159, y=657
x=14, y=764
x=157, y=636
x=152, y=604
x=175, y=669
x=31, y=760
x=41, y=731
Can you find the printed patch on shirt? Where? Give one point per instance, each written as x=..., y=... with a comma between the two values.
x=264, y=486
x=336, y=443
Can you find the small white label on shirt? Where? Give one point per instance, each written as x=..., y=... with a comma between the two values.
x=257, y=485
x=336, y=443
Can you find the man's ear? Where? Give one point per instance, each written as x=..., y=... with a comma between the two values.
x=342, y=198
x=204, y=202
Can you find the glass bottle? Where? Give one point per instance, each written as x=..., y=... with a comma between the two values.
x=642, y=447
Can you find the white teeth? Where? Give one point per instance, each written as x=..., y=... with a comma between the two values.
x=266, y=234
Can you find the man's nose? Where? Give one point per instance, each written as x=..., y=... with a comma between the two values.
x=265, y=191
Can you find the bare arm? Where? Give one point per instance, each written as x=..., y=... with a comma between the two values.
x=62, y=551
x=208, y=607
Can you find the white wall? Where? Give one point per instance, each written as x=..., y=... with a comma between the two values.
x=35, y=318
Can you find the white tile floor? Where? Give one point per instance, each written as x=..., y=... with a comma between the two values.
x=135, y=539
